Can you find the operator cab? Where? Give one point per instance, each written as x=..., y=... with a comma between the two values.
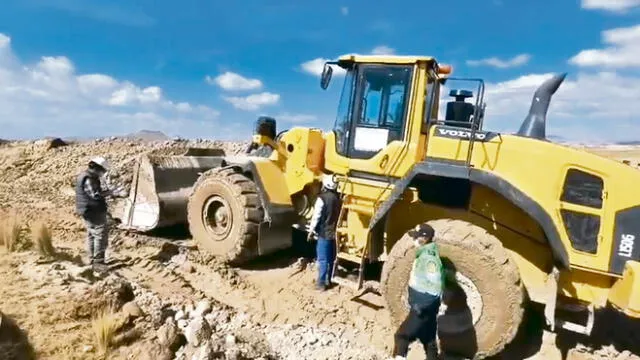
x=387, y=106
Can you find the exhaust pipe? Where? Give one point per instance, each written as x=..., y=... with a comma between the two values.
x=535, y=124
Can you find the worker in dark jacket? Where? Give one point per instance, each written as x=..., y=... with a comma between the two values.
x=91, y=204
x=426, y=284
x=323, y=227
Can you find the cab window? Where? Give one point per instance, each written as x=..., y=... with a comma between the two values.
x=381, y=105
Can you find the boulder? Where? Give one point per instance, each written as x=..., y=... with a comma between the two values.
x=131, y=310
x=202, y=308
x=204, y=352
x=169, y=335
x=197, y=332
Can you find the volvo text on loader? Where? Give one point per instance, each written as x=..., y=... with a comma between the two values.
x=518, y=218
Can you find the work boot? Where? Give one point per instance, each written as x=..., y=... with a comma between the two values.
x=321, y=287
x=99, y=267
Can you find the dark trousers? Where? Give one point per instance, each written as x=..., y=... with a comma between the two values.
x=97, y=237
x=326, y=253
x=422, y=327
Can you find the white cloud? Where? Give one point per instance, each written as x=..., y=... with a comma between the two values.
x=344, y=10
x=616, y=6
x=515, y=61
x=383, y=50
x=50, y=98
x=594, y=107
x=5, y=41
x=315, y=66
x=296, y=118
x=623, y=50
x=233, y=81
x=253, y=102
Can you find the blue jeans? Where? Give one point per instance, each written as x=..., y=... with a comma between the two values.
x=326, y=253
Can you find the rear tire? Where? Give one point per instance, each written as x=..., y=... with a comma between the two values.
x=482, y=314
x=224, y=214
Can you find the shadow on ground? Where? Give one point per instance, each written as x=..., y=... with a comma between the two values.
x=528, y=340
x=301, y=248
x=175, y=233
x=611, y=328
x=14, y=343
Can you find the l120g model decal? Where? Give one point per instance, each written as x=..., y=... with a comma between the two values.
x=463, y=134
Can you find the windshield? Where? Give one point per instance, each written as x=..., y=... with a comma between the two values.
x=343, y=119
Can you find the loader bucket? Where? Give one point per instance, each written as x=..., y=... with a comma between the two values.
x=161, y=185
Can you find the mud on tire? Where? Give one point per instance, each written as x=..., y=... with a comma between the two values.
x=481, y=259
x=224, y=213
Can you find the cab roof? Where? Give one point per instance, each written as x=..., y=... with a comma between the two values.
x=385, y=59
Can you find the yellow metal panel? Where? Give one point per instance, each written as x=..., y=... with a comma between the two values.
x=300, y=158
x=333, y=161
x=625, y=293
x=585, y=286
x=273, y=181
x=538, y=169
x=358, y=233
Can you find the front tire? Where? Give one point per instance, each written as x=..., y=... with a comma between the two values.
x=224, y=214
x=480, y=315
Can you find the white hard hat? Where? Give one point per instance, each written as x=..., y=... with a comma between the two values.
x=328, y=182
x=100, y=161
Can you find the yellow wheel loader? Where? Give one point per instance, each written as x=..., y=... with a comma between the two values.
x=517, y=218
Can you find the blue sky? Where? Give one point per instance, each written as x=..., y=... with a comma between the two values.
x=208, y=69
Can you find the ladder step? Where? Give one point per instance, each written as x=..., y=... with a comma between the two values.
x=350, y=284
x=348, y=257
x=362, y=209
x=577, y=328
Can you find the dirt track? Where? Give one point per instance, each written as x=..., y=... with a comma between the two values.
x=35, y=182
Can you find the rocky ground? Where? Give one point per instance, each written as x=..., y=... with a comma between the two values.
x=164, y=299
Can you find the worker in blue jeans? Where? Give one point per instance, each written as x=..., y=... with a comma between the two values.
x=323, y=227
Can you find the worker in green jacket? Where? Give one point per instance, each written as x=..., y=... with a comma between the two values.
x=426, y=284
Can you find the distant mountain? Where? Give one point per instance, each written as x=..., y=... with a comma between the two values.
x=635, y=142
x=556, y=138
x=148, y=135
x=144, y=135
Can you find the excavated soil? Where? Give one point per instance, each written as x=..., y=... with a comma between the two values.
x=268, y=311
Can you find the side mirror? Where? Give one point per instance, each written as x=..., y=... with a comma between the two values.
x=325, y=79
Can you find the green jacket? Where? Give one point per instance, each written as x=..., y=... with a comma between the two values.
x=427, y=274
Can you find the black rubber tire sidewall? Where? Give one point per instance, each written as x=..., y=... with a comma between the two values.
x=480, y=257
x=241, y=243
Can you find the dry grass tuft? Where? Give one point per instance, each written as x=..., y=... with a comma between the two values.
x=42, y=239
x=104, y=326
x=10, y=233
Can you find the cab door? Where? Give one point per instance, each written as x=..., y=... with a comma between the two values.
x=374, y=136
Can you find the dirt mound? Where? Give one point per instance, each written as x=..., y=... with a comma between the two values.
x=180, y=302
x=39, y=176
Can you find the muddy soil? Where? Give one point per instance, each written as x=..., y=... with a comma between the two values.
x=274, y=298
